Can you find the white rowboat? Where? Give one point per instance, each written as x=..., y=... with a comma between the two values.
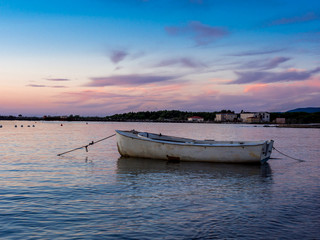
x=158, y=146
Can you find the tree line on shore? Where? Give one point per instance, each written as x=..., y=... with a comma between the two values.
x=297, y=117
x=164, y=115
x=175, y=115
x=170, y=116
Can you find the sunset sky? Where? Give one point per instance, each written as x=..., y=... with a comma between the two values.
x=101, y=57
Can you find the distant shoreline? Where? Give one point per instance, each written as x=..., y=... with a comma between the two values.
x=286, y=119
x=307, y=125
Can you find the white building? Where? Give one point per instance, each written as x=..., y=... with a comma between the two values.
x=225, y=117
x=195, y=119
x=256, y=117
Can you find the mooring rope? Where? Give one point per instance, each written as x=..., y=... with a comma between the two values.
x=300, y=160
x=86, y=146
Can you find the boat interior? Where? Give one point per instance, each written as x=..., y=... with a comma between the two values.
x=160, y=137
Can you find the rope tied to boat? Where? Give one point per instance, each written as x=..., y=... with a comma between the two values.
x=299, y=160
x=86, y=146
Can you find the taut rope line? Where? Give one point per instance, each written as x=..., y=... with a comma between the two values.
x=86, y=146
x=300, y=160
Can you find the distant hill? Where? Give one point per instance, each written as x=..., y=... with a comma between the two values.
x=306, y=110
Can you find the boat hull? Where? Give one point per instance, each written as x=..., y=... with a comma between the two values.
x=130, y=145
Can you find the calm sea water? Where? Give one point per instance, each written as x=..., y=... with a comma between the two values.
x=98, y=195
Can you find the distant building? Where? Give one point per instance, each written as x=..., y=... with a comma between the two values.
x=255, y=117
x=246, y=117
x=195, y=119
x=225, y=117
x=252, y=120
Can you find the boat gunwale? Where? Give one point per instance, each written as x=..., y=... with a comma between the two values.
x=132, y=135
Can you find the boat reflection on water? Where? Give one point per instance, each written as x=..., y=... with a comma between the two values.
x=215, y=170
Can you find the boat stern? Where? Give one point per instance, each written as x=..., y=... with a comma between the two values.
x=266, y=151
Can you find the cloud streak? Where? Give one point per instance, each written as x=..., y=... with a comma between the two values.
x=310, y=16
x=257, y=52
x=265, y=64
x=127, y=80
x=44, y=86
x=58, y=79
x=57, y=86
x=201, y=33
x=271, y=77
x=182, y=62
x=36, y=85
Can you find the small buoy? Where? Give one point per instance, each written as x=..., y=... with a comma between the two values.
x=0, y=126
x=61, y=125
x=28, y=125
x=15, y=126
x=21, y=125
x=32, y=125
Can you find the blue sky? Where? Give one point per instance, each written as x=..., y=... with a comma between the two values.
x=104, y=57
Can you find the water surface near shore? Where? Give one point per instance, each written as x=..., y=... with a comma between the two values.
x=98, y=195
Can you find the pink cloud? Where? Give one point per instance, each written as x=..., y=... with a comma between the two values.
x=132, y=99
x=287, y=96
x=255, y=87
x=96, y=102
x=173, y=88
x=86, y=95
